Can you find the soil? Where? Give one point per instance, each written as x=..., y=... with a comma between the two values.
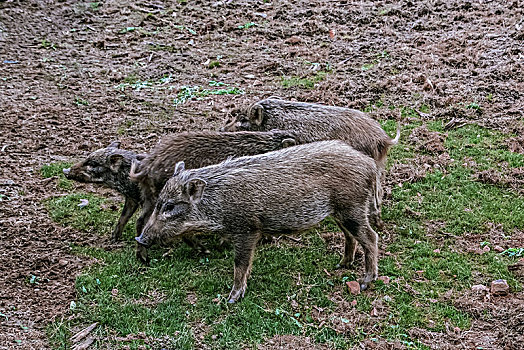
x=62, y=64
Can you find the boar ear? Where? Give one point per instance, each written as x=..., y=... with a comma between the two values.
x=194, y=188
x=114, y=144
x=115, y=160
x=179, y=167
x=289, y=142
x=257, y=115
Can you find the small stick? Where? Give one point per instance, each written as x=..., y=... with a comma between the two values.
x=83, y=333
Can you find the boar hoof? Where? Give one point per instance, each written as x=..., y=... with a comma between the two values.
x=235, y=295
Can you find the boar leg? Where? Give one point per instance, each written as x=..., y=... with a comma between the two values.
x=147, y=210
x=244, y=250
x=376, y=203
x=130, y=206
x=350, y=247
x=368, y=239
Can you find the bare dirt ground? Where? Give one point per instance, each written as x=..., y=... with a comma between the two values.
x=62, y=63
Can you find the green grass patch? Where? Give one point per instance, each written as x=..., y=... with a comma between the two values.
x=187, y=93
x=304, y=83
x=56, y=169
x=98, y=216
x=182, y=296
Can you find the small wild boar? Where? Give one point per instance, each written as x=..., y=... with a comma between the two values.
x=197, y=149
x=284, y=191
x=110, y=166
x=314, y=122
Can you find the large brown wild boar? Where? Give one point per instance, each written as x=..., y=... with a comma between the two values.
x=289, y=190
x=314, y=122
x=197, y=149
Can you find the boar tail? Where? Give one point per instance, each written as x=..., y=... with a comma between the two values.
x=397, y=137
x=135, y=174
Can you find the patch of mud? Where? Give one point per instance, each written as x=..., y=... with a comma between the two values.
x=501, y=319
x=346, y=318
x=427, y=141
x=285, y=342
x=512, y=178
x=479, y=337
x=516, y=144
x=414, y=169
x=494, y=234
x=382, y=344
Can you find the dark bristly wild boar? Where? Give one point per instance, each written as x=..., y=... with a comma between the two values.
x=314, y=122
x=284, y=191
x=197, y=149
x=110, y=166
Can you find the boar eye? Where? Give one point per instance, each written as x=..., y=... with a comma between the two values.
x=173, y=209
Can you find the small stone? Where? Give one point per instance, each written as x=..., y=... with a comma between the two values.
x=354, y=287
x=499, y=287
x=293, y=40
x=63, y=262
x=431, y=324
x=486, y=249
x=354, y=303
x=457, y=329
x=114, y=292
x=498, y=249
x=214, y=337
x=374, y=312
x=384, y=279
x=249, y=76
x=480, y=288
x=387, y=298
x=436, y=251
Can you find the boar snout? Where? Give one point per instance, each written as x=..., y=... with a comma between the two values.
x=144, y=241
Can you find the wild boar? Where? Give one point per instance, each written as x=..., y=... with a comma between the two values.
x=197, y=149
x=314, y=122
x=283, y=191
x=110, y=167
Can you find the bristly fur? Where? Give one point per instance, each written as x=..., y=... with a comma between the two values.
x=288, y=190
x=314, y=122
x=110, y=167
x=196, y=149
